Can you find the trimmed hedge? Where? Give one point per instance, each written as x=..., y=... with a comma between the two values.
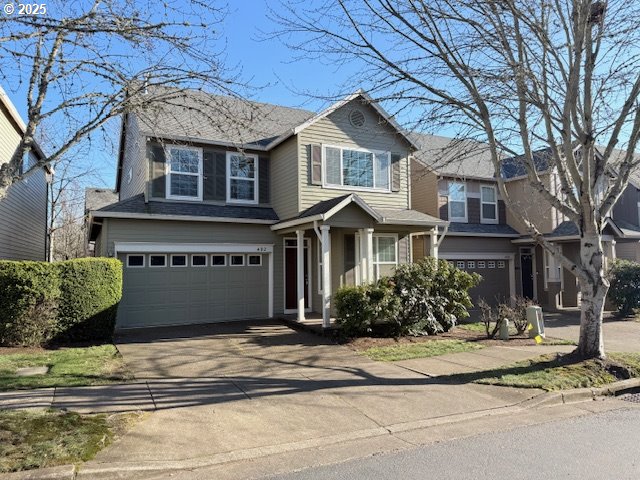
x=75, y=300
x=624, y=290
x=90, y=290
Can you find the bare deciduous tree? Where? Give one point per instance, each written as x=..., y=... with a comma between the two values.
x=85, y=63
x=519, y=75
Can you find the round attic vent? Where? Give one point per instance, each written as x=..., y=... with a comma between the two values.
x=357, y=118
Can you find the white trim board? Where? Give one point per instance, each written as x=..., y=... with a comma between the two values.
x=185, y=218
x=151, y=247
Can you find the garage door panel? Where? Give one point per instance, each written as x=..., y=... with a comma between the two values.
x=183, y=295
x=495, y=286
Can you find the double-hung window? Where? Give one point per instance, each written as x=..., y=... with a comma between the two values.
x=184, y=176
x=457, y=202
x=242, y=178
x=489, y=204
x=356, y=168
x=385, y=254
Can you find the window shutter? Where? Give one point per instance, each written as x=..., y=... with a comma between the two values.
x=209, y=175
x=158, y=174
x=315, y=155
x=395, y=172
x=263, y=185
x=220, y=183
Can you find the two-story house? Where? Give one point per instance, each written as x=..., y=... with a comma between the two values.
x=24, y=208
x=260, y=214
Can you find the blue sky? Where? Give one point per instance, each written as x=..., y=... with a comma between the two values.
x=266, y=64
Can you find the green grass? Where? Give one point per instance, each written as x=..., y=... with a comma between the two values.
x=478, y=327
x=431, y=348
x=31, y=439
x=552, y=372
x=67, y=367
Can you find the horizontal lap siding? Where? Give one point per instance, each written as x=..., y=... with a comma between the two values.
x=284, y=179
x=23, y=214
x=134, y=159
x=121, y=230
x=478, y=245
x=335, y=129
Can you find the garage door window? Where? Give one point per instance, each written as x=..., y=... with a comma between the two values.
x=178, y=260
x=198, y=260
x=157, y=260
x=218, y=260
x=135, y=261
x=237, y=260
x=255, y=260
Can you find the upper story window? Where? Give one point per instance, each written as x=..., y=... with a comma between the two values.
x=488, y=204
x=457, y=192
x=184, y=178
x=356, y=168
x=242, y=178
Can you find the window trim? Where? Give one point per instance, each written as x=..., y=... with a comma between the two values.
x=374, y=257
x=494, y=203
x=136, y=255
x=206, y=260
x=158, y=255
x=186, y=260
x=547, y=269
x=168, y=172
x=224, y=257
x=249, y=264
x=256, y=177
x=241, y=255
x=342, y=186
x=464, y=219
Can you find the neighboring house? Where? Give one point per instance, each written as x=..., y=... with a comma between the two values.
x=24, y=209
x=484, y=237
x=455, y=182
x=94, y=199
x=261, y=213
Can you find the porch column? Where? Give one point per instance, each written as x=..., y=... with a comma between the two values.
x=326, y=276
x=434, y=243
x=363, y=257
x=369, y=232
x=300, y=273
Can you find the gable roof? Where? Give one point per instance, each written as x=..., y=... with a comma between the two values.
x=95, y=198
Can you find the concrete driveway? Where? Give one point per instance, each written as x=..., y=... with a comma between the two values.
x=619, y=335
x=223, y=392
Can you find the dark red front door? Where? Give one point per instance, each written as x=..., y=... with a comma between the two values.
x=291, y=278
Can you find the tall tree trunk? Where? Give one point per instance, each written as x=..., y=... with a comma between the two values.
x=594, y=293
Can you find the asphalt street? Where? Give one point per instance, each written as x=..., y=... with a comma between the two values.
x=598, y=446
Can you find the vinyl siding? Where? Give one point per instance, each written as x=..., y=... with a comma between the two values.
x=122, y=230
x=23, y=211
x=284, y=179
x=626, y=208
x=424, y=189
x=530, y=204
x=628, y=251
x=24, y=219
x=452, y=244
x=335, y=129
x=134, y=159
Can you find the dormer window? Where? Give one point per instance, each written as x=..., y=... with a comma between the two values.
x=242, y=178
x=489, y=204
x=457, y=202
x=184, y=175
x=356, y=169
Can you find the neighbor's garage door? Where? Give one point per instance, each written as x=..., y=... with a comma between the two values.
x=494, y=287
x=174, y=289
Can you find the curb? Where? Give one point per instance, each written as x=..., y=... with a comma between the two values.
x=64, y=472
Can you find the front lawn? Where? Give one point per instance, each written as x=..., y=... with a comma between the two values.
x=407, y=351
x=67, y=367
x=45, y=439
x=559, y=372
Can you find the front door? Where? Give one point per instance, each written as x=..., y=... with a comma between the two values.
x=291, y=275
x=526, y=269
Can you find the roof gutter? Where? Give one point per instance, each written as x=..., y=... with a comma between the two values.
x=188, y=218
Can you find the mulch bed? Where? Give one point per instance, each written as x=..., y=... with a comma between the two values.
x=21, y=350
x=364, y=343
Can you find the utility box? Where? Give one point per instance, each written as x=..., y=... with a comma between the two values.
x=536, y=321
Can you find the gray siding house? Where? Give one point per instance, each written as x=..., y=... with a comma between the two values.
x=24, y=210
x=230, y=209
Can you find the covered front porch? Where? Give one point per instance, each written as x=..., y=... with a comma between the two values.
x=343, y=241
